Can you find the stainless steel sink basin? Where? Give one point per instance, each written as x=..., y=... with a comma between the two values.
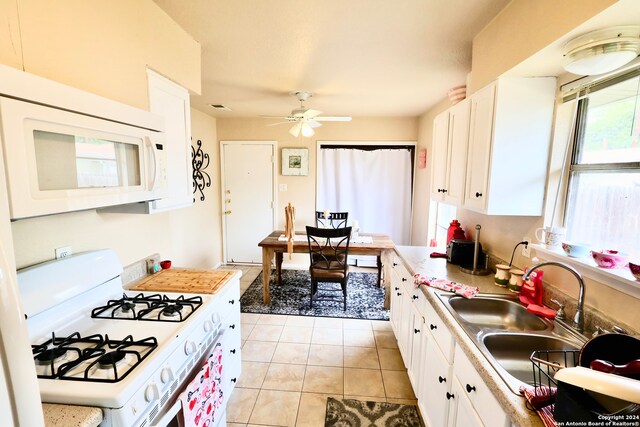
x=496, y=313
x=512, y=351
x=507, y=334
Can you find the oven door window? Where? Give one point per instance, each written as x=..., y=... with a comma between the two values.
x=69, y=162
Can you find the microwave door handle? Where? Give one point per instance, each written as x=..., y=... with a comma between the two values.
x=156, y=167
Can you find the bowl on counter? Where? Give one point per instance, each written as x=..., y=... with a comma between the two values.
x=166, y=264
x=608, y=258
x=635, y=270
x=576, y=250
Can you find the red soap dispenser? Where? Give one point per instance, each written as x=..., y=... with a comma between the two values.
x=454, y=231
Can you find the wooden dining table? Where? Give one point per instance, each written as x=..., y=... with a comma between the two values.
x=381, y=247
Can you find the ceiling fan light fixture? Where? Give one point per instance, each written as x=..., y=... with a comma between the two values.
x=602, y=51
x=307, y=131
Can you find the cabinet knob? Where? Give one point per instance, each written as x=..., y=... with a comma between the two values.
x=397, y=288
x=233, y=380
x=444, y=190
x=227, y=212
x=404, y=279
x=399, y=294
x=395, y=264
x=478, y=194
x=439, y=190
x=232, y=326
x=416, y=331
x=470, y=388
x=450, y=396
x=432, y=327
x=232, y=301
x=442, y=380
x=232, y=351
x=414, y=297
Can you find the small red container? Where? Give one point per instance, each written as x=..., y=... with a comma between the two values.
x=166, y=264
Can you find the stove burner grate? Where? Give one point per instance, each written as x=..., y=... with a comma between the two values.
x=153, y=307
x=97, y=351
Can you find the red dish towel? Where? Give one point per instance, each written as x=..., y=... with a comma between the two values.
x=546, y=412
x=202, y=399
x=445, y=285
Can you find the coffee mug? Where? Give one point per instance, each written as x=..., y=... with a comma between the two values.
x=551, y=236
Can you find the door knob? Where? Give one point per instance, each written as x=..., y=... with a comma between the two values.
x=227, y=212
x=227, y=201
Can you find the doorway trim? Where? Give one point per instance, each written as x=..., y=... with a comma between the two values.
x=274, y=161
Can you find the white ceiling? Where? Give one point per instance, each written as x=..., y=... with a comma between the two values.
x=358, y=57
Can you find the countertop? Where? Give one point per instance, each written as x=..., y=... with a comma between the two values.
x=71, y=415
x=417, y=260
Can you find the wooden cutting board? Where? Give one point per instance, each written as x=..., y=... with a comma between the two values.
x=185, y=280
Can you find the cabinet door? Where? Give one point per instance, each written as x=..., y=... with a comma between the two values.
x=480, y=136
x=457, y=158
x=416, y=348
x=171, y=101
x=440, y=155
x=405, y=335
x=436, y=382
x=396, y=303
x=461, y=413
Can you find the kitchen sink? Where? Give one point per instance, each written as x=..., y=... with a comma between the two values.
x=512, y=351
x=496, y=313
x=507, y=334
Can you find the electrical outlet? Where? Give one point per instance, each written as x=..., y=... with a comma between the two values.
x=63, y=252
x=526, y=249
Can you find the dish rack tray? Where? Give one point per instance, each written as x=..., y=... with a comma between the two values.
x=545, y=363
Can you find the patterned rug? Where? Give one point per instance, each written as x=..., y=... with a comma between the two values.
x=356, y=413
x=365, y=300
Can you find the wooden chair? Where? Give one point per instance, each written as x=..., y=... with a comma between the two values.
x=335, y=220
x=328, y=250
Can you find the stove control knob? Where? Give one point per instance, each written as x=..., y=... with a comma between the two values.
x=165, y=375
x=208, y=326
x=151, y=393
x=190, y=348
x=215, y=318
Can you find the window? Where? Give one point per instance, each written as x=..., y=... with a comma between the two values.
x=440, y=216
x=603, y=198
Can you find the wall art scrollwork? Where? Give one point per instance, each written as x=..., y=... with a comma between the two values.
x=200, y=161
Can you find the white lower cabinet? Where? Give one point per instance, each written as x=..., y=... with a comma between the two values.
x=461, y=412
x=435, y=387
x=413, y=369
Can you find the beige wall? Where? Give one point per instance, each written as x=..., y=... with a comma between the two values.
x=104, y=48
x=521, y=29
x=100, y=47
x=302, y=189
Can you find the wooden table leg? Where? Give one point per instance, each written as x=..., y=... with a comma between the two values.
x=279, y=267
x=387, y=268
x=267, y=255
x=379, y=271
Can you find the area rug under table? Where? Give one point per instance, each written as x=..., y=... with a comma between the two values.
x=365, y=300
x=356, y=413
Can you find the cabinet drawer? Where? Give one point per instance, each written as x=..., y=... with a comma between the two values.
x=475, y=389
x=440, y=333
x=228, y=300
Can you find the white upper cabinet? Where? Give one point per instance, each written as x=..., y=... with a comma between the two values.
x=450, y=139
x=509, y=141
x=171, y=101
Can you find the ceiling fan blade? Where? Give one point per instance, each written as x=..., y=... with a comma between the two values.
x=313, y=123
x=278, y=123
x=310, y=114
x=333, y=118
x=274, y=117
x=295, y=130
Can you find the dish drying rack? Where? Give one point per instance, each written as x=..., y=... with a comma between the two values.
x=545, y=363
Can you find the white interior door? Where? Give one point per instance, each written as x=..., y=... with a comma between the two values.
x=248, y=198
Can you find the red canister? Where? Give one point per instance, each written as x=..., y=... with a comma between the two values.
x=454, y=231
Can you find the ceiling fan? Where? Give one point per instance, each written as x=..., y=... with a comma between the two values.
x=305, y=119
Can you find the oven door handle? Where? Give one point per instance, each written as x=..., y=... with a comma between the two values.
x=169, y=415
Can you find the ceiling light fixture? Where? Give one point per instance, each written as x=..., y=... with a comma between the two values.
x=602, y=51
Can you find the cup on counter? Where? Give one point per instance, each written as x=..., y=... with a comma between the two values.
x=515, y=281
x=502, y=275
x=551, y=237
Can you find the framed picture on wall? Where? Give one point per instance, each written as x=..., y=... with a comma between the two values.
x=295, y=161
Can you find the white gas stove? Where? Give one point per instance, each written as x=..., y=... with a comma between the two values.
x=95, y=344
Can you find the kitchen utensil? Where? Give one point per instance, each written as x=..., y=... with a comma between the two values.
x=630, y=368
x=166, y=264
x=617, y=349
x=608, y=258
x=635, y=270
x=576, y=250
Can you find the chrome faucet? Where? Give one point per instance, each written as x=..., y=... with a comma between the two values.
x=578, y=320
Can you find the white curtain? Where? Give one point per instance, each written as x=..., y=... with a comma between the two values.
x=373, y=186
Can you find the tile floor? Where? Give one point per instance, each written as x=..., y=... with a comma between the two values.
x=291, y=364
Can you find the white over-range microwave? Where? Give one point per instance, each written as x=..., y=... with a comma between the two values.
x=57, y=160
